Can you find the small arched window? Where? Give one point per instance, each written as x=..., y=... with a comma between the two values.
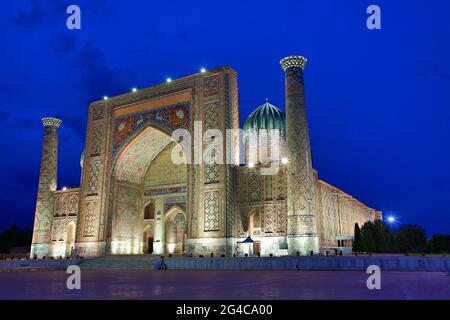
x=149, y=211
x=256, y=220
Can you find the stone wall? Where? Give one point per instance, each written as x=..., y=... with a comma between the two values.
x=64, y=222
x=313, y=263
x=337, y=214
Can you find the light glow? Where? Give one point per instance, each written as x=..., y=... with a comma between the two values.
x=202, y=70
x=105, y=97
x=251, y=164
x=168, y=80
x=391, y=219
x=134, y=89
x=284, y=160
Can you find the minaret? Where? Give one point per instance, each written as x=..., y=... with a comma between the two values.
x=301, y=206
x=47, y=185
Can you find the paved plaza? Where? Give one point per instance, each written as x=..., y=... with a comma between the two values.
x=223, y=285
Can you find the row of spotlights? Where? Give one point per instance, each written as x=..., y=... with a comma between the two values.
x=168, y=80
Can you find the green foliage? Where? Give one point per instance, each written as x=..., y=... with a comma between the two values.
x=358, y=243
x=382, y=236
x=376, y=237
x=14, y=236
x=368, y=235
x=439, y=243
x=410, y=238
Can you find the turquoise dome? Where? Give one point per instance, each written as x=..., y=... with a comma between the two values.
x=266, y=116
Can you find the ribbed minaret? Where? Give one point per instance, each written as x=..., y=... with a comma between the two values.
x=47, y=185
x=301, y=206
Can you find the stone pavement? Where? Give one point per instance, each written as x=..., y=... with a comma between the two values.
x=223, y=285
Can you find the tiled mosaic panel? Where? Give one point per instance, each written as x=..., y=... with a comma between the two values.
x=301, y=202
x=281, y=218
x=210, y=86
x=96, y=140
x=47, y=183
x=128, y=213
x=89, y=219
x=211, y=168
x=254, y=187
x=94, y=169
x=270, y=220
x=211, y=116
x=168, y=118
x=212, y=211
x=98, y=112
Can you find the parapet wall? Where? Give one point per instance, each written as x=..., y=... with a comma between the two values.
x=318, y=263
x=312, y=263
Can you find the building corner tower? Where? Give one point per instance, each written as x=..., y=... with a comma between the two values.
x=40, y=246
x=302, y=234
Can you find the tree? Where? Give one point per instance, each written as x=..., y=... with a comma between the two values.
x=440, y=243
x=358, y=244
x=14, y=236
x=368, y=236
x=410, y=237
x=381, y=235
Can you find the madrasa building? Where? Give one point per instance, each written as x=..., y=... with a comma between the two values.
x=134, y=198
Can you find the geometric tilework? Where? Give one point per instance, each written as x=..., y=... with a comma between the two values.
x=89, y=220
x=212, y=211
x=268, y=187
x=254, y=187
x=211, y=116
x=98, y=112
x=96, y=140
x=281, y=218
x=93, y=177
x=168, y=119
x=270, y=220
x=210, y=86
x=300, y=179
x=211, y=167
x=47, y=184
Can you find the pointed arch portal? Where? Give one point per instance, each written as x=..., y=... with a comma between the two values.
x=133, y=219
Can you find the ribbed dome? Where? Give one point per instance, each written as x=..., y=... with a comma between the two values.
x=266, y=116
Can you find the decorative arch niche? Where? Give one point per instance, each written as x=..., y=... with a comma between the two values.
x=127, y=179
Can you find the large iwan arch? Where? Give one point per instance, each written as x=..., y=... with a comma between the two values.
x=131, y=192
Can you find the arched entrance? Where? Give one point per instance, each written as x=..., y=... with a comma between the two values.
x=70, y=238
x=254, y=224
x=149, y=211
x=135, y=225
x=175, y=231
x=148, y=239
x=254, y=230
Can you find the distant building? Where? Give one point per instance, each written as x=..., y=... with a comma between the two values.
x=134, y=199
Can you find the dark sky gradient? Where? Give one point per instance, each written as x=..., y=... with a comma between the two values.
x=379, y=101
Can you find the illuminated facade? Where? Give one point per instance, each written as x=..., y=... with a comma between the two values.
x=134, y=198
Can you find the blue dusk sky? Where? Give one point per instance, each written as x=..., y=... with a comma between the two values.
x=378, y=100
